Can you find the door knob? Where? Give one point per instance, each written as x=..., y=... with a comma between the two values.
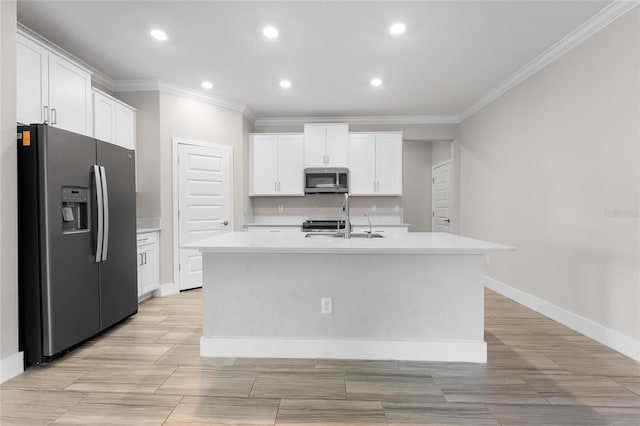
x=225, y=223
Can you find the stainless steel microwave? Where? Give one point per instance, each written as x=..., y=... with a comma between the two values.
x=319, y=180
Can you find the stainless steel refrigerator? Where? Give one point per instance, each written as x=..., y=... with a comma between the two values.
x=77, y=239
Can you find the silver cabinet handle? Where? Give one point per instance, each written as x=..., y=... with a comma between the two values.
x=145, y=257
x=98, y=182
x=54, y=116
x=46, y=115
x=105, y=194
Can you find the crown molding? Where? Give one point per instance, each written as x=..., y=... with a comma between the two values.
x=600, y=20
x=249, y=115
x=96, y=75
x=163, y=86
x=408, y=119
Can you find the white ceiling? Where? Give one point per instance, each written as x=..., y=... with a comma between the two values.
x=452, y=53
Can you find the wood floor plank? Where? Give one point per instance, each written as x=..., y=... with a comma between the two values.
x=403, y=413
x=123, y=379
x=320, y=384
x=227, y=411
x=391, y=385
x=546, y=415
x=207, y=381
x=35, y=407
x=308, y=412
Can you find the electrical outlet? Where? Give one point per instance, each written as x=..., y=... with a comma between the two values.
x=374, y=207
x=280, y=208
x=326, y=305
x=396, y=208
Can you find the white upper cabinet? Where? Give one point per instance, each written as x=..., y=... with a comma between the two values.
x=325, y=145
x=276, y=164
x=375, y=163
x=103, y=117
x=51, y=89
x=32, y=81
x=113, y=121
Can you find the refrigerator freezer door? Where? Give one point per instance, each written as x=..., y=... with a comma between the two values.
x=70, y=298
x=118, y=273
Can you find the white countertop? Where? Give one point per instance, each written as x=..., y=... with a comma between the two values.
x=404, y=243
x=146, y=230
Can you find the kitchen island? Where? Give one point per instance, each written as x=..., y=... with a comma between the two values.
x=412, y=296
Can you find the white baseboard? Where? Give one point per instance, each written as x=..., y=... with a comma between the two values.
x=240, y=347
x=11, y=366
x=617, y=341
x=166, y=289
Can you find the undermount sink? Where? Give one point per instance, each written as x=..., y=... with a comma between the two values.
x=341, y=235
x=366, y=235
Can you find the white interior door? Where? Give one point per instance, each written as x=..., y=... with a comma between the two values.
x=204, y=203
x=441, y=197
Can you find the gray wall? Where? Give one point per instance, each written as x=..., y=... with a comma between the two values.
x=417, y=185
x=147, y=150
x=552, y=168
x=8, y=183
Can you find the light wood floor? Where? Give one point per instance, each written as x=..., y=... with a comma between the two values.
x=148, y=371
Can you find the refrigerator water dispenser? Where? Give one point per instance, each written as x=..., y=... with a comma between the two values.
x=75, y=210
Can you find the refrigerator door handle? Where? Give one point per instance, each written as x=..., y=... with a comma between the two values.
x=98, y=182
x=105, y=195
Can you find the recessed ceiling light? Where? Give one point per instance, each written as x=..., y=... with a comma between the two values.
x=285, y=84
x=375, y=82
x=207, y=85
x=397, y=28
x=270, y=32
x=159, y=35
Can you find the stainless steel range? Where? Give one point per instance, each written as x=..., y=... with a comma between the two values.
x=323, y=225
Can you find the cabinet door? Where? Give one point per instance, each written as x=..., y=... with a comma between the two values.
x=140, y=252
x=69, y=96
x=32, y=81
x=265, y=164
x=362, y=163
x=125, y=126
x=389, y=164
x=337, y=145
x=315, y=146
x=290, y=165
x=103, y=117
x=149, y=269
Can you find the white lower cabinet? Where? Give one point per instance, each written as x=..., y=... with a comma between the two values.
x=148, y=266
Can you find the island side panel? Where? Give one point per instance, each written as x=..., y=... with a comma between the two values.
x=400, y=300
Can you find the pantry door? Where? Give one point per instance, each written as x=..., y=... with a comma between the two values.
x=441, y=197
x=204, y=202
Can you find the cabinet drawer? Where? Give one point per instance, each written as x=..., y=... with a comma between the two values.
x=147, y=238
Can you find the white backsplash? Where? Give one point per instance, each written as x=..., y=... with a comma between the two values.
x=382, y=210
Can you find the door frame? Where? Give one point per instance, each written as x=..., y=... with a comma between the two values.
x=175, y=142
x=435, y=166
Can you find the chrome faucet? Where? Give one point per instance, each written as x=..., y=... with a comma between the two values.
x=369, y=220
x=347, y=223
